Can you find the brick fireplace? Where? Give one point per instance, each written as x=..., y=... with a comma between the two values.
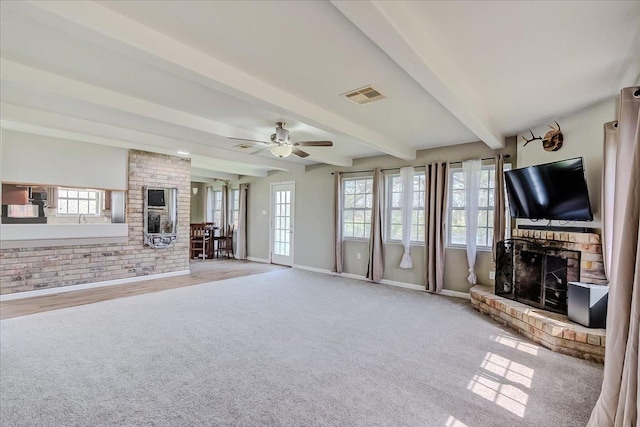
x=534, y=271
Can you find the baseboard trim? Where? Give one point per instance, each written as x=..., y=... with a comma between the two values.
x=83, y=286
x=411, y=286
x=262, y=260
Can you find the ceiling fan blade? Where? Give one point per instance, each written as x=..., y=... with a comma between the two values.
x=260, y=150
x=250, y=140
x=299, y=152
x=314, y=143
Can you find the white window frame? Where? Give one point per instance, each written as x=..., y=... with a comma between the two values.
x=214, y=208
x=417, y=228
x=234, y=206
x=349, y=210
x=488, y=208
x=62, y=198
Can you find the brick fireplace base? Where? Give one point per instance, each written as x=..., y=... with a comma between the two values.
x=551, y=330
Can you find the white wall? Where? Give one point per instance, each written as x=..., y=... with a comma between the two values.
x=314, y=220
x=583, y=137
x=35, y=159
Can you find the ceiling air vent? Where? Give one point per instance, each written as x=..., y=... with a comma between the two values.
x=364, y=95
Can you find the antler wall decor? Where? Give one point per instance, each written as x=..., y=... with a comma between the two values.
x=552, y=140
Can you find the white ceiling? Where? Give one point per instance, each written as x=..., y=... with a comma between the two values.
x=168, y=76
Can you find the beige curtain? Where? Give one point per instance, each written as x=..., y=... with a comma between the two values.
x=436, y=180
x=224, y=209
x=499, y=217
x=336, y=259
x=375, y=270
x=618, y=402
x=610, y=152
x=241, y=234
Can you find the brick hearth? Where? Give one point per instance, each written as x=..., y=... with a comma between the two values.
x=551, y=330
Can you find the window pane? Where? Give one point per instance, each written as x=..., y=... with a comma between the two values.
x=83, y=194
x=359, y=201
x=396, y=232
x=482, y=218
x=349, y=187
x=458, y=180
x=396, y=200
x=484, y=179
x=482, y=237
x=62, y=206
x=458, y=235
x=83, y=206
x=483, y=198
x=396, y=216
x=396, y=184
x=457, y=199
x=348, y=216
x=72, y=206
x=349, y=201
x=62, y=193
x=457, y=218
x=72, y=193
x=348, y=230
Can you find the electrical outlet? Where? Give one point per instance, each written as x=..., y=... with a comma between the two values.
x=358, y=255
x=492, y=275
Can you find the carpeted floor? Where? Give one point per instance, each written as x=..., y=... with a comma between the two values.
x=284, y=348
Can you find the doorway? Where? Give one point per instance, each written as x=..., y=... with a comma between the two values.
x=282, y=223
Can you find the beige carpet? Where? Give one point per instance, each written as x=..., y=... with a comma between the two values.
x=285, y=348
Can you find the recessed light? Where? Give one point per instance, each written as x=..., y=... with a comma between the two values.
x=183, y=153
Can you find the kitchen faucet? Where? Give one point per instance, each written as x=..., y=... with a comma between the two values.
x=82, y=216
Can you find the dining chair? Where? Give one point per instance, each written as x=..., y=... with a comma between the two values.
x=225, y=243
x=200, y=240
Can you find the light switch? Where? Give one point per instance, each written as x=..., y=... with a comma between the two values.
x=264, y=212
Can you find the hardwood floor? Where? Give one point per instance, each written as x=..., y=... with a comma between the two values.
x=201, y=272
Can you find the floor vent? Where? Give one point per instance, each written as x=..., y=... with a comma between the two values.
x=364, y=95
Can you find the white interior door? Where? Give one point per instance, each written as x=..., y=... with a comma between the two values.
x=282, y=221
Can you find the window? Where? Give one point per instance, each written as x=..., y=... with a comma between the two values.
x=457, y=228
x=394, y=208
x=358, y=200
x=234, y=204
x=214, y=209
x=73, y=201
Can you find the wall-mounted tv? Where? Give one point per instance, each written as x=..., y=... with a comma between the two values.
x=553, y=191
x=155, y=198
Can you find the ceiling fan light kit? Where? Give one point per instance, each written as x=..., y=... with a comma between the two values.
x=281, y=150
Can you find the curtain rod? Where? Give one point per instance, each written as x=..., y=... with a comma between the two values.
x=506, y=156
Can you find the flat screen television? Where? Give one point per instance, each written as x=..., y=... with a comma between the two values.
x=553, y=191
x=155, y=198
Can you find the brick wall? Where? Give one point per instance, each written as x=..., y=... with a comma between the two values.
x=591, y=262
x=29, y=269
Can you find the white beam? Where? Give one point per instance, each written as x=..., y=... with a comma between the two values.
x=209, y=175
x=94, y=22
x=392, y=27
x=99, y=133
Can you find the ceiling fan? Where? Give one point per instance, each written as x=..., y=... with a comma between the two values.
x=281, y=144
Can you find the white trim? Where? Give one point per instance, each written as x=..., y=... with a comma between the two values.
x=262, y=260
x=411, y=286
x=292, y=219
x=83, y=286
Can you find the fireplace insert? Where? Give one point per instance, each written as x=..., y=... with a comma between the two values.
x=535, y=275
